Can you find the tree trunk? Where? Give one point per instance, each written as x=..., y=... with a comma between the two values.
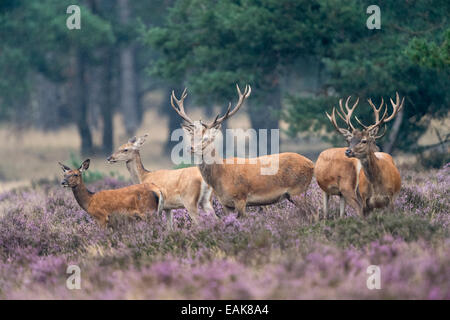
x=107, y=107
x=82, y=110
x=174, y=119
x=265, y=115
x=127, y=76
x=389, y=145
x=138, y=88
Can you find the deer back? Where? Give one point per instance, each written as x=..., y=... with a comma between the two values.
x=176, y=184
x=242, y=177
x=140, y=198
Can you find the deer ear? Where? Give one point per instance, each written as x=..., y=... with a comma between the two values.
x=139, y=142
x=64, y=167
x=85, y=165
x=132, y=140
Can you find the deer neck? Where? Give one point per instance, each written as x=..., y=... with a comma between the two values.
x=209, y=170
x=136, y=168
x=372, y=169
x=82, y=195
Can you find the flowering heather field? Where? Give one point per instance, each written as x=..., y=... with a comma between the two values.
x=276, y=252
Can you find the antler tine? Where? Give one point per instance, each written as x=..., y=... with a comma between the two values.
x=397, y=106
x=342, y=109
x=332, y=119
x=362, y=124
x=346, y=115
x=376, y=112
x=350, y=111
x=382, y=135
x=218, y=120
x=180, y=109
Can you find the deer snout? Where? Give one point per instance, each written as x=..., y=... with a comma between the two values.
x=349, y=153
x=110, y=159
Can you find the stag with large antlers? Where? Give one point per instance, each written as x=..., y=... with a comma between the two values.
x=338, y=170
x=239, y=182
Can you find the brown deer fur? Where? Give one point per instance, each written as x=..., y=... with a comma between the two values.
x=133, y=200
x=238, y=183
x=181, y=188
x=363, y=177
x=337, y=174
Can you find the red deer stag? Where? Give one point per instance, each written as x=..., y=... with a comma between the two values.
x=181, y=188
x=338, y=170
x=133, y=200
x=239, y=182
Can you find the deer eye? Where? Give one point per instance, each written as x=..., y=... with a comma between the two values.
x=363, y=141
x=125, y=150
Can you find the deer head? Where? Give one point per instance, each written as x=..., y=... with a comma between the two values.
x=202, y=134
x=362, y=142
x=126, y=151
x=73, y=178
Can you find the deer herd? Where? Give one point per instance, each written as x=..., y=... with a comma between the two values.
x=360, y=175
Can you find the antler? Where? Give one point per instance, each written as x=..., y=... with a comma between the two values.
x=180, y=109
x=242, y=96
x=332, y=118
x=346, y=116
x=397, y=106
x=376, y=111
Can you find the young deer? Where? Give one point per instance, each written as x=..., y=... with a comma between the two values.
x=133, y=200
x=338, y=170
x=181, y=188
x=238, y=183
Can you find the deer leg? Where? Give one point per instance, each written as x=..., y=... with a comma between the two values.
x=240, y=207
x=206, y=204
x=193, y=213
x=101, y=217
x=341, y=206
x=191, y=203
x=206, y=198
x=365, y=211
x=102, y=221
x=352, y=200
x=325, y=199
x=226, y=209
x=211, y=211
x=391, y=205
x=169, y=219
x=160, y=208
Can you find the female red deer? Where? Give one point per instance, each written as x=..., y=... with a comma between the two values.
x=338, y=170
x=181, y=188
x=239, y=182
x=133, y=200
